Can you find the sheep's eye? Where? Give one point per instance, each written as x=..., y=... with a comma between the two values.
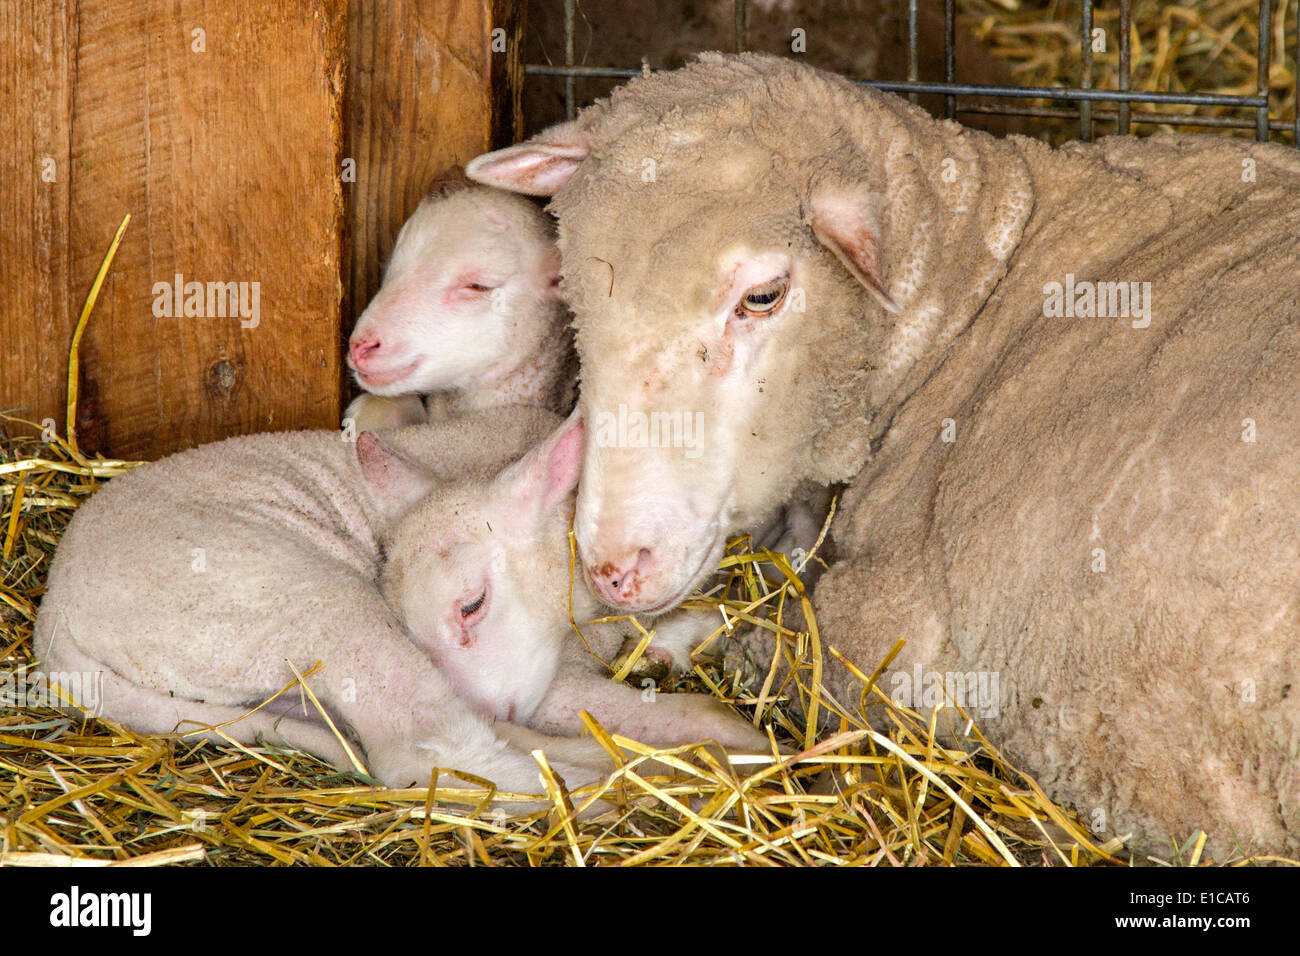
x=477, y=287
x=766, y=298
x=472, y=608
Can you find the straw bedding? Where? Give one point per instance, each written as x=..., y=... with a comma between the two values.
x=1209, y=46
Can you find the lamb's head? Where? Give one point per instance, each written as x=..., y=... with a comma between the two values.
x=725, y=249
x=478, y=570
x=470, y=291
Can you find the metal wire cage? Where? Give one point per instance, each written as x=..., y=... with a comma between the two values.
x=1090, y=105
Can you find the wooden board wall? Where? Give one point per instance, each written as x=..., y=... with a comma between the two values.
x=228, y=147
x=428, y=93
x=36, y=317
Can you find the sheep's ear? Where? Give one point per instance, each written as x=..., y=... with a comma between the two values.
x=548, y=474
x=394, y=481
x=844, y=222
x=537, y=167
x=548, y=273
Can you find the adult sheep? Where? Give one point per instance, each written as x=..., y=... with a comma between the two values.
x=1103, y=512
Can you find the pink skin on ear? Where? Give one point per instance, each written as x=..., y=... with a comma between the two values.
x=393, y=480
x=845, y=224
x=538, y=167
x=549, y=473
x=549, y=270
x=563, y=463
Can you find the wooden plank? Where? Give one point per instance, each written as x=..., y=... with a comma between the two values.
x=220, y=127
x=36, y=316
x=426, y=94
x=507, y=27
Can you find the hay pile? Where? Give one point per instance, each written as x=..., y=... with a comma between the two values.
x=1210, y=46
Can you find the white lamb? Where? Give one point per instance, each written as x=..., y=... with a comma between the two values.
x=431, y=584
x=468, y=315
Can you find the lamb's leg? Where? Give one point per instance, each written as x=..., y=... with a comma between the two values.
x=149, y=711
x=410, y=720
x=579, y=761
x=376, y=685
x=645, y=715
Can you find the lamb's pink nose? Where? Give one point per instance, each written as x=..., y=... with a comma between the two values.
x=363, y=352
x=620, y=581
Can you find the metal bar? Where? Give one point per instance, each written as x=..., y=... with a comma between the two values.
x=950, y=55
x=1265, y=24
x=608, y=72
x=1244, y=101
x=570, y=103
x=1125, y=60
x=740, y=10
x=913, y=70
x=1173, y=119
x=1241, y=101
x=1085, y=78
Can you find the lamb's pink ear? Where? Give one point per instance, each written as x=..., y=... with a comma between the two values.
x=548, y=272
x=394, y=481
x=536, y=167
x=844, y=221
x=548, y=474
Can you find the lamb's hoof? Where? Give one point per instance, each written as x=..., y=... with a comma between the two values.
x=655, y=663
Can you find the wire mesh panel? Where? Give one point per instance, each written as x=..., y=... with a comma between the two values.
x=1080, y=103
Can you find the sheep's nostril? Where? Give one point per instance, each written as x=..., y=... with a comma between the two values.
x=618, y=581
x=363, y=350
x=607, y=577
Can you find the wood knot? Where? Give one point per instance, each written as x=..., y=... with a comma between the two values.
x=221, y=378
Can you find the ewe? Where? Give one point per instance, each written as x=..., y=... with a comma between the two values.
x=1100, y=506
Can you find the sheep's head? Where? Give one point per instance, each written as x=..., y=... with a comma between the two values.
x=735, y=257
x=705, y=387
x=478, y=570
x=471, y=290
